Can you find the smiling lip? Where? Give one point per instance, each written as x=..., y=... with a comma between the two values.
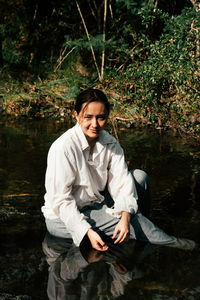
x=94, y=131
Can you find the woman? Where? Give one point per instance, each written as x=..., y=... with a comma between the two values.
x=83, y=163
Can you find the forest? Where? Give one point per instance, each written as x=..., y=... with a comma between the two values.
x=144, y=54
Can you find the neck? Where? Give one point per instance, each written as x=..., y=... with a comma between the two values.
x=92, y=142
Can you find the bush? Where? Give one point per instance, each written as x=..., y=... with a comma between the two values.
x=165, y=86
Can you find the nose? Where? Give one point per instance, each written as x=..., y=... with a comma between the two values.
x=94, y=122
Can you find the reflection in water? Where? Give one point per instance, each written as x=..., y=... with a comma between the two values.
x=86, y=274
x=173, y=164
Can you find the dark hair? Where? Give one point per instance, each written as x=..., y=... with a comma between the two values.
x=91, y=95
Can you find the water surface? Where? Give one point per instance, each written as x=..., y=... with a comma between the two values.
x=173, y=164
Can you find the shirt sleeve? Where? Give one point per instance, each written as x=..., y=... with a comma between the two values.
x=60, y=176
x=121, y=184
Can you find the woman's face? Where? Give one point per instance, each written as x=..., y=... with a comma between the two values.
x=92, y=119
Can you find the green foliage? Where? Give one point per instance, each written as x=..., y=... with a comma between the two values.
x=163, y=89
x=168, y=80
x=151, y=56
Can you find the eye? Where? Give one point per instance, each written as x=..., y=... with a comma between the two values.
x=101, y=118
x=87, y=117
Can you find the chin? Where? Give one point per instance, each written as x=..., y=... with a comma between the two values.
x=93, y=136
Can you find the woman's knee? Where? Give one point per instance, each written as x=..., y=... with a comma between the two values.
x=141, y=177
x=141, y=180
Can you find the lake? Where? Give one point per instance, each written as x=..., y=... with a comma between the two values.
x=145, y=271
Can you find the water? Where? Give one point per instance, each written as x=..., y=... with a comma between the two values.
x=173, y=164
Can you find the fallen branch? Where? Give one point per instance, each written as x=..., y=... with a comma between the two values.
x=18, y=195
x=123, y=119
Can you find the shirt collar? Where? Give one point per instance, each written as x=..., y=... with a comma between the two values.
x=81, y=137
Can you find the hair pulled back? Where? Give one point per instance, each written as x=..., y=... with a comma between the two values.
x=91, y=95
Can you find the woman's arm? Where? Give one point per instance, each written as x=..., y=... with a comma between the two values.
x=60, y=177
x=121, y=184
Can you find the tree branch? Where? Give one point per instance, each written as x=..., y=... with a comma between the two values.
x=91, y=47
x=104, y=38
x=62, y=58
x=111, y=12
x=92, y=10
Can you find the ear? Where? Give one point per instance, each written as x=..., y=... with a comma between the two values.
x=76, y=116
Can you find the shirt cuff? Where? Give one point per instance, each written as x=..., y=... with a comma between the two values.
x=128, y=204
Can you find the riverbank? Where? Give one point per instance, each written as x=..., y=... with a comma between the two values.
x=54, y=98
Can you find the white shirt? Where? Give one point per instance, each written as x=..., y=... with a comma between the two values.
x=74, y=179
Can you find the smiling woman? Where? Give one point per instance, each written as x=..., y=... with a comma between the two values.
x=92, y=119
x=90, y=194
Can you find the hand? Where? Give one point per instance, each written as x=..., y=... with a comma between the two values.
x=122, y=228
x=96, y=241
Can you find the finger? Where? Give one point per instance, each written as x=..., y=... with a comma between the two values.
x=104, y=248
x=101, y=248
x=115, y=233
x=125, y=238
x=122, y=238
x=118, y=240
x=101, y=244
x=96, y=245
